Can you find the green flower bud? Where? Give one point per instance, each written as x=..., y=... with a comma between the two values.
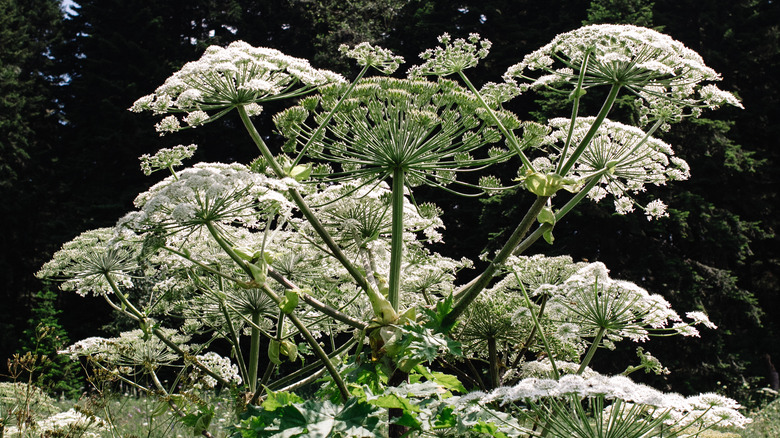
x=290, y=300
x=289, y=349
x=273, y=351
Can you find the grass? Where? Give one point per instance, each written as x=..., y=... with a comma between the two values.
x=766, y=424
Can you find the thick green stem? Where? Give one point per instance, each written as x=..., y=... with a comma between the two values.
x=532, y=335
x=592, y=350
x=227, y=248
x=397, y=238
x=605, y=108
x=254, y=351
x=302, y=206
x=315, y=346
x=476, y=287
x=235, y=340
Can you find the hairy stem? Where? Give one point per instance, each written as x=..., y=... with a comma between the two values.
x=536, y=234
x=494, y=362
x=317, y=304
x=538, y=327
x=254, y=351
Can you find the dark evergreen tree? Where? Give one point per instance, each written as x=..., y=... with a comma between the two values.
x=29, y=129
x=56, y=374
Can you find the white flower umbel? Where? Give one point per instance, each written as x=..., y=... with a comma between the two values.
x=432, y=131
x=91, y=261
x=665, y=75
x=367, y=54
x=702, y=411
x=131, y=351
x=227, y=77
x=453, y=56
x=616, y=309
x=631, y=158
x=212, y=192
x=68, y=423
x=166, y=158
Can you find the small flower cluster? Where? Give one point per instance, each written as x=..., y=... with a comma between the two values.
x=453, y=56
x=664, y=73
x=221, y=366
x=369, y=55
x=538, y=273
x=626, y=157
x=166, y=158
x=224, y=78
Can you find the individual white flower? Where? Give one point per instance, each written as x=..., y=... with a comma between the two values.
x=253, y=109
x=624, y=205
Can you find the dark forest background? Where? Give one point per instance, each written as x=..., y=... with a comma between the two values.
x=69, y=148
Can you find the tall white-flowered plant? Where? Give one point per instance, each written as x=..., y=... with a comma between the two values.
x=319, y=261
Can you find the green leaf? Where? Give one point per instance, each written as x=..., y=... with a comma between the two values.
x=546, y=216
x=446, y=419
x=276, y=400
x=289, y=302
x=273, y=351
x=199, y=421
x=548, y=235
x=436, y=318
x=488, y=428
x=315, y=419
x=450, y=382
x=408, y=420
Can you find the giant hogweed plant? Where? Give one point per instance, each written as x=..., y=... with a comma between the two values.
x=312, y=269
